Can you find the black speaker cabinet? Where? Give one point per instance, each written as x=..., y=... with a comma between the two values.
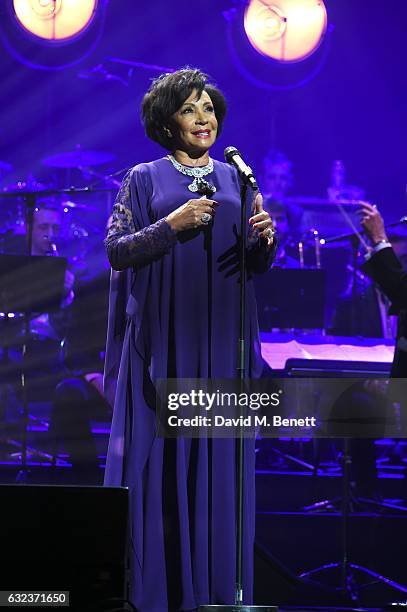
x=65, y=538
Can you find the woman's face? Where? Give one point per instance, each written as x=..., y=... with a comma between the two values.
x=194, y=126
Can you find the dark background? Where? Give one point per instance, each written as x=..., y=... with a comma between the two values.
x=353, y=109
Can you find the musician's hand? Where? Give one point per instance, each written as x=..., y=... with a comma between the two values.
x=261, y=221
x=372, y=222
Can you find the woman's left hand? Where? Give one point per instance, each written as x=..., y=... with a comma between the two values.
x=261, y=221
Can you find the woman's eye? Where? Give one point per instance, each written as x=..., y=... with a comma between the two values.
x=210, y=109
x=186, y=110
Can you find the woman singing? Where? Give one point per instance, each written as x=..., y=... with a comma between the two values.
x=174, y=312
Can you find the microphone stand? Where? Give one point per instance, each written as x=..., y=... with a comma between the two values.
x=241, y=368
x=240, y=441
x=23, y=474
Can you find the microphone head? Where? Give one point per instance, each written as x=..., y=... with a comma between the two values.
x=205, y=188
x=230, y=152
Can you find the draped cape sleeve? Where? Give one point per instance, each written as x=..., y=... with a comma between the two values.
x=134, y=240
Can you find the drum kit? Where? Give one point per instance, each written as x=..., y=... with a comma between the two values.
x=84, y=218
x=84, y=212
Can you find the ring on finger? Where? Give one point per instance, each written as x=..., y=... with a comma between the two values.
x=206, y=218
x=270, y=232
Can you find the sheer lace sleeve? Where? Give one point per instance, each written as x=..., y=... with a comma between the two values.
x=126, y=247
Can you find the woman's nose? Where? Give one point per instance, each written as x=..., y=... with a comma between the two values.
x=201, y=118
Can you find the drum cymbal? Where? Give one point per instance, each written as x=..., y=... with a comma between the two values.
x=76, y=205
x=30, y=184
x=78, y=158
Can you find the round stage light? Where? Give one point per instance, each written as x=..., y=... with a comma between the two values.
x=55, y=20
x=285, y=30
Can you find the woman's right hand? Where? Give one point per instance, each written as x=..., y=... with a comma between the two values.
x=189, y=215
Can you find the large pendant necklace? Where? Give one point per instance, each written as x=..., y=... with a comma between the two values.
x=197, y=173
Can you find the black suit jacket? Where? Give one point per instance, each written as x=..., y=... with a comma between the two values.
x=386, y=270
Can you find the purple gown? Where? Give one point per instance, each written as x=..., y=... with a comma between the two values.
x=174, y=312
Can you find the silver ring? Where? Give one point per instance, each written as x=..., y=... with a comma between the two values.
x=270, y=232
x=206, y=218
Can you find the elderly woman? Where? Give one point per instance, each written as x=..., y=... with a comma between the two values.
x=175, y=313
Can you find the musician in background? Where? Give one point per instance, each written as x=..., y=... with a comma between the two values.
x=47, y=221
x=366, y=311
x=386, y=265
x=383, y=266
x=77, y=395
x=47, y=330
x=276, y=181
x=64, y=353
x=46, y=227
x=276, y=176
x=286, y=244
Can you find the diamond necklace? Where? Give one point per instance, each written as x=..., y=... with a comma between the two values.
x=197, y=172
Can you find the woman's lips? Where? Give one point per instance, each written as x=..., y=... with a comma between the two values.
x=202, y=134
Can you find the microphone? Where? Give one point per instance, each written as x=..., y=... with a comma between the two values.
x=204, y=188
x=233, y=157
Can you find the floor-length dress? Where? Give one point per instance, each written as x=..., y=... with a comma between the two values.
x=174, y=312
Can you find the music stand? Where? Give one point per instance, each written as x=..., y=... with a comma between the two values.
x=291, y=298
x=29, y=284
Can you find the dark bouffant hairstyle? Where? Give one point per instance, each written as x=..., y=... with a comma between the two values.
x=168, y=93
